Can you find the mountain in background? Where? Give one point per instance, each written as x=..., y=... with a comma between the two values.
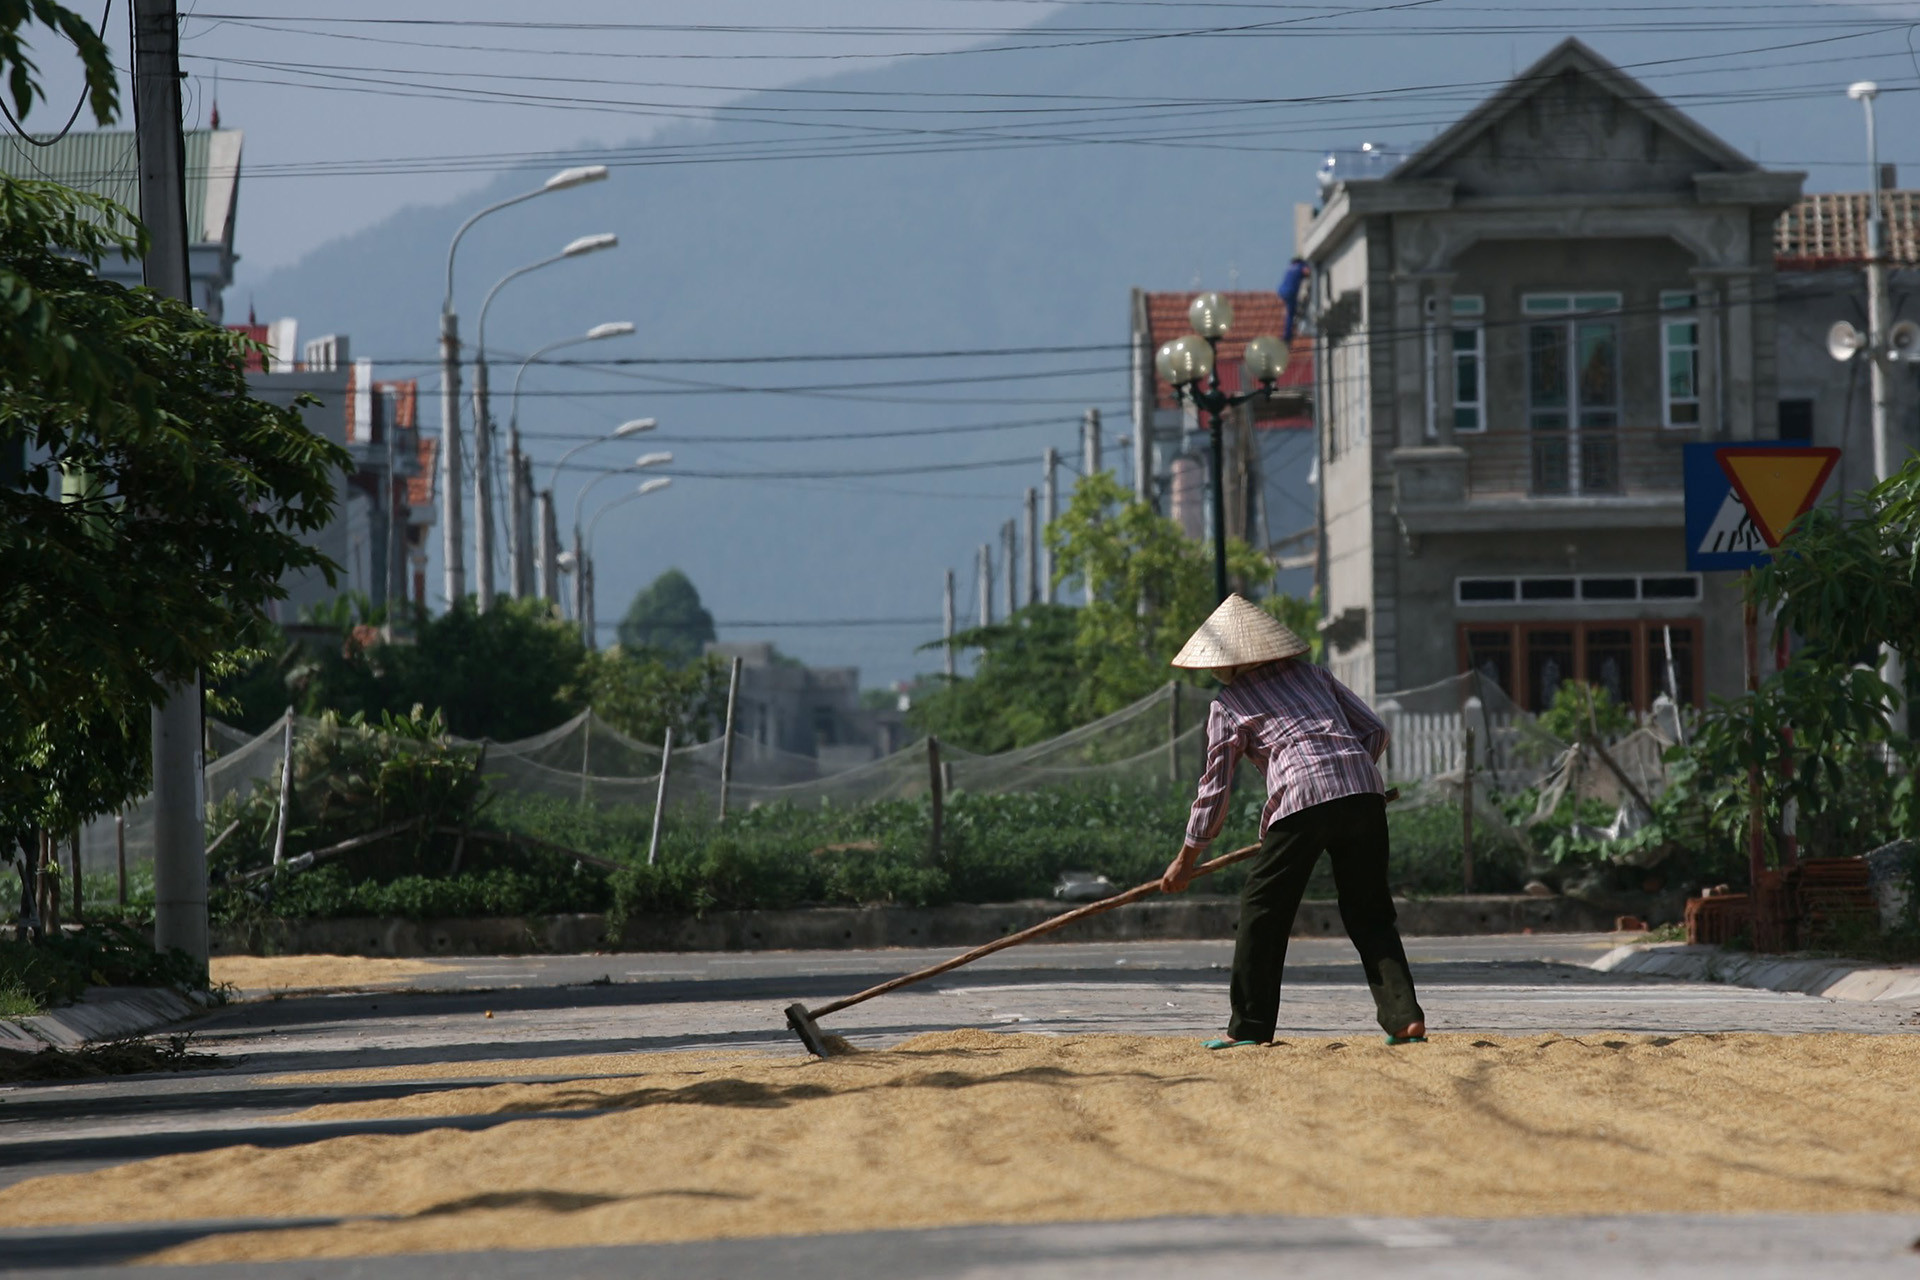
x=1009, y=245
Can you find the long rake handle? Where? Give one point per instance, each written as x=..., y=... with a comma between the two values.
x=1134, y=894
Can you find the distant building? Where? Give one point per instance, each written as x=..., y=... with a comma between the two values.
x=385, y=500
x=106, y=163
x=809, y=711
x=1516, y=329
x=1269, y=445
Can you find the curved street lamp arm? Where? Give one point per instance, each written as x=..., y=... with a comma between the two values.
x=578, y=338
x=480, y=333
x=446, y=302
x=643, y=491
x=587, y=488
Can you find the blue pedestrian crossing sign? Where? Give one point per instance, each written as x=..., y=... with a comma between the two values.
x=1742, y=498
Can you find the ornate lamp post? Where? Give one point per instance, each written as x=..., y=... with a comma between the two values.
x=1187, y=363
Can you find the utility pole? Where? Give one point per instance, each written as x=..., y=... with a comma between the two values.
x=1879, y=357
x=1090, y=459
x=1051, y=493
x=517, y=540
x=1032, y=514
x=179, y=834
x=1010, y=548
x=986, y=585
x=579, y=583
x=482, y=482
x=1143, y=451
x=453, y=532
x=549, y=549
x=523, y=526
x=948, y=631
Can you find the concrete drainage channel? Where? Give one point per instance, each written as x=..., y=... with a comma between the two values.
x=862, y=928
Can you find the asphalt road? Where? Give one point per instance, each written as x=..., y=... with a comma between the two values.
x=555, y=1006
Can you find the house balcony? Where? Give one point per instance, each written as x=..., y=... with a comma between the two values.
x=1625, y=478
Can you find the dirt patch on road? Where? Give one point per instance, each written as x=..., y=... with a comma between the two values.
x=264, y=974
x=971, y=1127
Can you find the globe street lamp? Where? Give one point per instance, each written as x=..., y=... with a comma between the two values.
x=589, y=626
x=452, y=532
x=520, y=486
x=550, y=554
x=483, y=418
x=1186, y=363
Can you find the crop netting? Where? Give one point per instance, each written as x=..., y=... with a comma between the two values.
x=1158, y=741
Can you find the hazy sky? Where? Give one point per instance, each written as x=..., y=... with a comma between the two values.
x=308, y=85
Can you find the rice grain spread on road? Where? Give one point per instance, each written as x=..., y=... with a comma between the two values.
x=972, y=1127
x=258, y=974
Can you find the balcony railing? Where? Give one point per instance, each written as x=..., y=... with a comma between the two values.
x=1556, y=464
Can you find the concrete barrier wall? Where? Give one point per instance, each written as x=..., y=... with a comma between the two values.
x=829, y=928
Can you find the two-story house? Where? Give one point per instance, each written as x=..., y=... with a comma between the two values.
x=1516, y=330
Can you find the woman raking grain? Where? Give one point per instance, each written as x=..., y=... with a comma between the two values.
x=1319, y=746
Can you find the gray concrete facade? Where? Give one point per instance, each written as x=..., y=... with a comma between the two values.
x=1517, y=329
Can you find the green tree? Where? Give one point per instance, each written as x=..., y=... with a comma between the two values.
x=1023, y=688
x=502, y=674
x=668, y=618
x=1152, y=586
x=150, y=510
x=640, y=694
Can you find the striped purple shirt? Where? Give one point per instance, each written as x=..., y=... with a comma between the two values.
x=1312, y=736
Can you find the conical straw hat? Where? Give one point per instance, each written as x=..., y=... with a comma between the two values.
x=1238, y=633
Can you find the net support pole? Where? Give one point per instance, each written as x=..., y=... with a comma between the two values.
x=1756, y=814
x=936, y=795
x=1466, y=812
x=660, y=798
x=726, y=742
x=120, y=852
x=79, y=895
x=1173, y=731
x=286, y=791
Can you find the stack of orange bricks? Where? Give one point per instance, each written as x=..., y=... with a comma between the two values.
x=1802, y=905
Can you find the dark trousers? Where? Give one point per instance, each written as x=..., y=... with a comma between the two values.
x=1352, y=831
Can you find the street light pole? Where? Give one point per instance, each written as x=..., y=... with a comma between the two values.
x=519, y=534
x=582, y=561
x=1188, y=362
x=588, y=621
x=483, y=417
x=452, y=527
x=1879, y=372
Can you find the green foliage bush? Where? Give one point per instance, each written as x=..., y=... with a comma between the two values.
x=63, y=965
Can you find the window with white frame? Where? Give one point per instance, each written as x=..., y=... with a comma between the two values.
x=1469, y=364
x=1679, y=360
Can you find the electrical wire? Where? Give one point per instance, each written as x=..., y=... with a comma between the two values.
x=20, y=130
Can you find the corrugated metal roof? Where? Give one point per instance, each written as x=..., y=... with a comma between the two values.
x=106, y=162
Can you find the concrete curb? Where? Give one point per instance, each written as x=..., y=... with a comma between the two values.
x=1829, y=979
x=840, y=928
x=101, y=1013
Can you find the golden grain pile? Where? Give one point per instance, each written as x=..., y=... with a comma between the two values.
x=974, y=1127
x=262, y=974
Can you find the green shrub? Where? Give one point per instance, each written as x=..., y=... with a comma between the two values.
x=62, y=965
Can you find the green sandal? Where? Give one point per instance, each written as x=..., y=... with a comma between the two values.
x=1228, y=1044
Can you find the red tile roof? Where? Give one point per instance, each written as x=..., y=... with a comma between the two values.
x=420, y=485
x=1253, y=314
x=1830, y=230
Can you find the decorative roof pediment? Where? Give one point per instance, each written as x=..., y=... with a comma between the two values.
x=1573, y=123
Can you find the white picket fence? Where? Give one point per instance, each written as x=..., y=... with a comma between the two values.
x=1427, y=744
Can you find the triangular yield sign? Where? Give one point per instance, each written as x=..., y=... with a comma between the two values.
x=1777, y=485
